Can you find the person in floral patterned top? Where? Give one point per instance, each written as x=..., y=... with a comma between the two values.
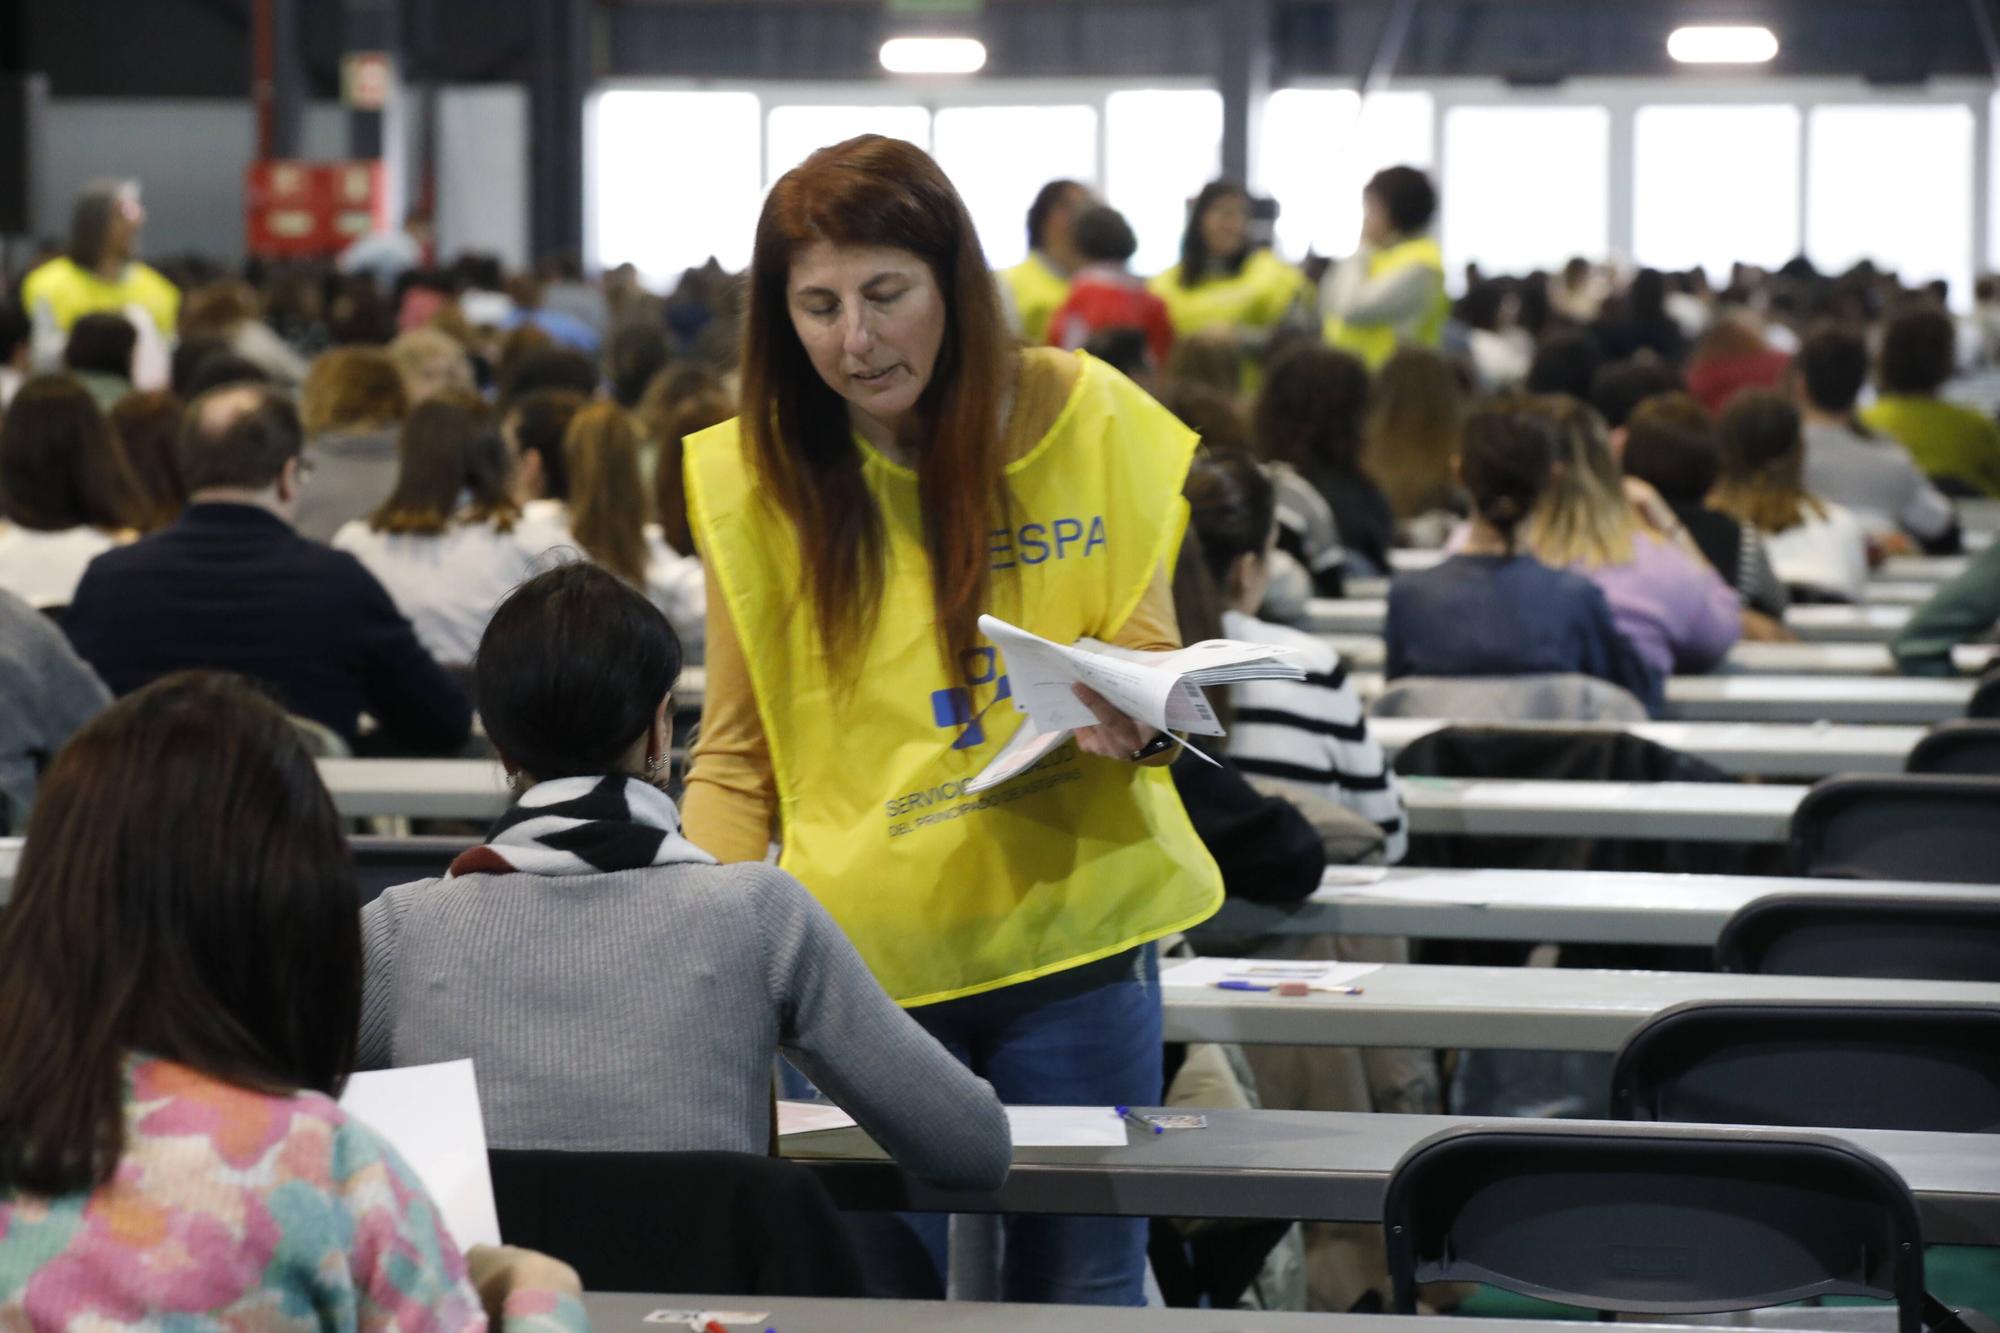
x=180, y=967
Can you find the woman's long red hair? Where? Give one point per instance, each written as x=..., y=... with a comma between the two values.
x=878, y=192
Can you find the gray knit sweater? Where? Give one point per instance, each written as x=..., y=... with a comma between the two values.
x=640, y=1010
x=46, y=693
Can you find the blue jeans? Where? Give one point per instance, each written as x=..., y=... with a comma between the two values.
x=1086, y=1037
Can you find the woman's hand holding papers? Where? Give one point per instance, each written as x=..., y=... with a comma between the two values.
x=1116, y=736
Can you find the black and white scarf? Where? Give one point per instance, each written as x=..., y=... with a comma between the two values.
x=583, y=826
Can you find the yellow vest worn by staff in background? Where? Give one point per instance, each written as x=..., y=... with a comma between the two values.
x=70, y=292
x=1256, y=298
x=1376, y=343
x=947, y=894
x=1038, y=291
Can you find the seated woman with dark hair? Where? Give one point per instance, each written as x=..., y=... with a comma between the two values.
x=99, y=353
x=67, y=493
x=1671, y=445
x=1493, y=609
x=444, y=544
x=619, y=990
x=181, y=971
x=1310, y=416
x=1310, y=561
x=1818, y=548
x=1312, y=734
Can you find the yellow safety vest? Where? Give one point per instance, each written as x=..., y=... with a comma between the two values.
x=947, y=894
x=1039, y=291
x=70, y=292
x=1255, y=298
x=1376, y=343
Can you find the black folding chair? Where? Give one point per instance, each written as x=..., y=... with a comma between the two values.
x=1846, y=1065
x=1967, y=747
x=383, y=863
x=727, y=1224
x=1833, y=935
x=1902, y=826
x=1986, y=698
x=1654, y=1219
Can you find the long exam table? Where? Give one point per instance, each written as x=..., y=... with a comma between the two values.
x=1501, y=1008
x=1327, y=1166
x=1594, y=906
x=1819, y=624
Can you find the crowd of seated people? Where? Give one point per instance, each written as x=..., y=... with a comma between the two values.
x=245, y=510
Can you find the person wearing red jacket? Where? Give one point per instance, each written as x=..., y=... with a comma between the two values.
x=1104, y=294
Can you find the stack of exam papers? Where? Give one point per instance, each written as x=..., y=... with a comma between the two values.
x=1161, y=690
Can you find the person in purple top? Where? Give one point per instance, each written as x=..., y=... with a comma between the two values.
x=1617, y=532
x=1492, y=609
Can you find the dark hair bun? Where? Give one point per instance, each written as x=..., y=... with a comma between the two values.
x=1507, y=452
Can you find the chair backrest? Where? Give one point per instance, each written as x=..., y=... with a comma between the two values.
x=1654, y=1219
x=1840, y=1065
x=1827, y=935
x=729, y=1224
x=1550, y=698
x=1985, y=701
x=1899, y=826
x=1967, y=747
x=383, y=863
x=322, y=741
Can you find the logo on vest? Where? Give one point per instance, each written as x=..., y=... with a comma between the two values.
x=1039, y=543
x=954, y=707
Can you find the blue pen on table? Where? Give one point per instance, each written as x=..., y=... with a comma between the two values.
x=1285, y=987
x=1138, y=1120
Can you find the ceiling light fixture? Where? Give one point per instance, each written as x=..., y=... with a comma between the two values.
x=1722, y=44
x=933, y=55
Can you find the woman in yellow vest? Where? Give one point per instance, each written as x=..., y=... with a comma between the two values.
x=1036, y=288
x=898, y=469
x=98, y=273
x=1390, y=291
x=1226, y=286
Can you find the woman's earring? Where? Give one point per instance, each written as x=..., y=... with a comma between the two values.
x=514, y=782
x=656, y=766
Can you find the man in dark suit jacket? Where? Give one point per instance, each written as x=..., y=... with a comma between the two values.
x=231, y=586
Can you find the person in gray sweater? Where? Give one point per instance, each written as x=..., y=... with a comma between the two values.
x=46, y=693
x=616, y=989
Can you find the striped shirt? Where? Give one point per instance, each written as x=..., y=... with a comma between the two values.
x=1313, y=733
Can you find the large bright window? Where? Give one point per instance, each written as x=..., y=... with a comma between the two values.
x=1525, y=187
x=673, y=180
x=1892, y=184
x=1161, y=147
x=797, y=132
x=1318, y=148
x=1713, y=185
x=999, y=157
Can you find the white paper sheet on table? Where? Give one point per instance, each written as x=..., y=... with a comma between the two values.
x=1066, y=1126
x=810, y=1117
x=1208, y=971
x=1032, y=1126
x=1452, y=890
x=430, y=1116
